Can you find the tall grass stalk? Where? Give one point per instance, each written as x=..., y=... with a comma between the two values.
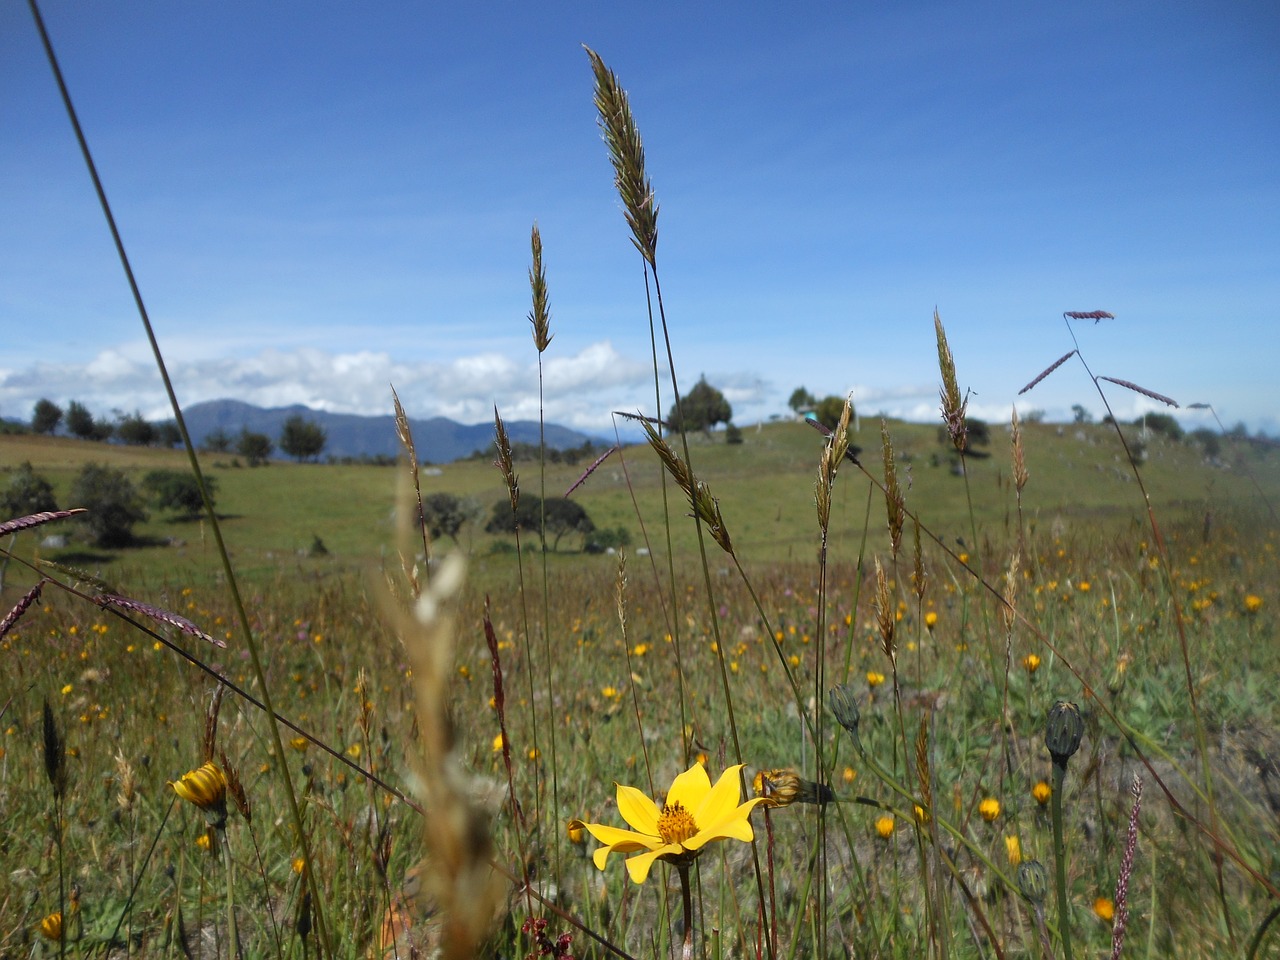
x=232, y=584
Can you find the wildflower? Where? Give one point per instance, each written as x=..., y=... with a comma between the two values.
x=931, y=619
x=922, y=815
x=203, y=841
x=1104, y=909
x=1042, y=792
x=353, y=751
x=1033, y=881
x=1063, y=732
x=205, y=787
x=1031, y=663
x=874, y=679
x=577, y=833
x=989, y=808
x=499, y=742
x=298, y=865
x=693, y=814
x=1084, y=586
x=884, y=827
x=849, y=774
x=1252, y=603
x=1013, y=849
x=781, y=788
x=51, y=927
x=299, y=743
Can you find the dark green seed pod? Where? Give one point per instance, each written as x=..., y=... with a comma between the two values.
x=1063, y=731
x=844, y=705
x=1033, y=881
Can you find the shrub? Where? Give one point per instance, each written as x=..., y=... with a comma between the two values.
x=254, y=447
x=302, y=439
x=562, y=516
x=113, y=503
x=46, y=416
x=27, y=493
x=177, y=491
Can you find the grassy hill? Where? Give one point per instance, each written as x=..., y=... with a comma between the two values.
x=274, y=514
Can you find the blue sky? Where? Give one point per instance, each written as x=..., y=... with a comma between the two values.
x=320, y=199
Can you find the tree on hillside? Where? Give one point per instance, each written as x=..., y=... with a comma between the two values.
x=27, y=493
x=46, y=416
x=135, y=430
x=828, y=411
x=1161, y=423
x=977, y=434
x=217, y=441
x=445, y=515
x=178, y=491
x=80, y=422
x=112, y=501
x=168, y=434
x=302, y=439
x=700, y=409
x=563, y=516
x=254, y=447
x=801, y=400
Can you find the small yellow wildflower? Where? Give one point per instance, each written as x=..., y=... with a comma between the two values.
x=931, y=619
x=849, y=775
x=884, y=827
x=498, y=743
x=1013, y=849
x=1031, y=663
x=989, y=808
x=206, y=788
x=1084, y=586
x=1104, y=909
x=353, y=751
x=298, y=865
x=203, y=841
x=1252, y=603
x=534, y=753
x=922, y=815
x=51, y=927
x=67, y=689
x=1042, y=792
x=874, y=679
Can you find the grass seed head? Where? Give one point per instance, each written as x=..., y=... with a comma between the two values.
x=953, y=405
x=504, y=461
x=540, y=315
x=894, y=502
x=1020, y=475
x=55, y=753
x=885, y=612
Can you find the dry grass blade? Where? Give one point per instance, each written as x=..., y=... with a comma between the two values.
x=458, y=876
x=705, y=507
x=155, y=613
x=832, y=454
x=592, y=469
x=1048, y=370
x=35, y=519
x=626, y=153
x=21, y=607
x=1129, y=385
x=540, y=315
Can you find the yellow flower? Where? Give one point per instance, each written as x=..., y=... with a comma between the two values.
x=931, y=619
x=693, y=814
x=205, y=787
x=874, y=679
x=353, y=751
x=1013, y=848
x=1104, y=909
x=203, y=841
x=498, y=743
x=989, y=808
x=51, y=927
x=1031, y=663
x=1042, y=791
x=298, y=865
x=922, y=815
x=849, y=774
x=299, y=743
x=1084, y=586
x=1252, y=603
x=884, y=827
x=576, y=831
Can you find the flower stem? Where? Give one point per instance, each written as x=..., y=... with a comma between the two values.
x=686, y=900
x=1060, y=860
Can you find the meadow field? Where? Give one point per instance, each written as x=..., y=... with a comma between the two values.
x=1024, y=708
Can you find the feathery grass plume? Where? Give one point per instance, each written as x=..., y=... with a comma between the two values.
x=210, y=742
x=832, y=454
x=592, y=469
x=1126, y=871
x=626, y=153
x=1048, y=370
x=923, y=774
x=919, y=578
x=21, y=607
x=235, y=788
x=953, y=405
x=55, y=753
x=1008, y=609
x=1094, y=315
x=540, y=315
x=885, y=613
x=503, y=463
x=405, y=436
x=35, y=519
x=458, y=875
x=1129, y=385
x=705, y=506
x=1020, y=475
x=128, y=780
x=893, y=499
x=108, y=600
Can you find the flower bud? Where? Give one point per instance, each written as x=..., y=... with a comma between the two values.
x=1033, y=881
x=781, y=788
x=844, y=705
x=1063, y=731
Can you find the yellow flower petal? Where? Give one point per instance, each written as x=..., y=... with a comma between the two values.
x=638, y=810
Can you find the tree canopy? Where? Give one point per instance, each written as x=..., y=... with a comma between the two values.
x=46, y=416
x=302, y=439
x=562, y=514
x=27, y=493
x=112, y=501
x=254, y=447
x=700, y=409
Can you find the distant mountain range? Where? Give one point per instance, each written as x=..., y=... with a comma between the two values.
x=437, y=440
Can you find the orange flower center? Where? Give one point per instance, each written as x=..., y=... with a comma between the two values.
x=676, y=824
